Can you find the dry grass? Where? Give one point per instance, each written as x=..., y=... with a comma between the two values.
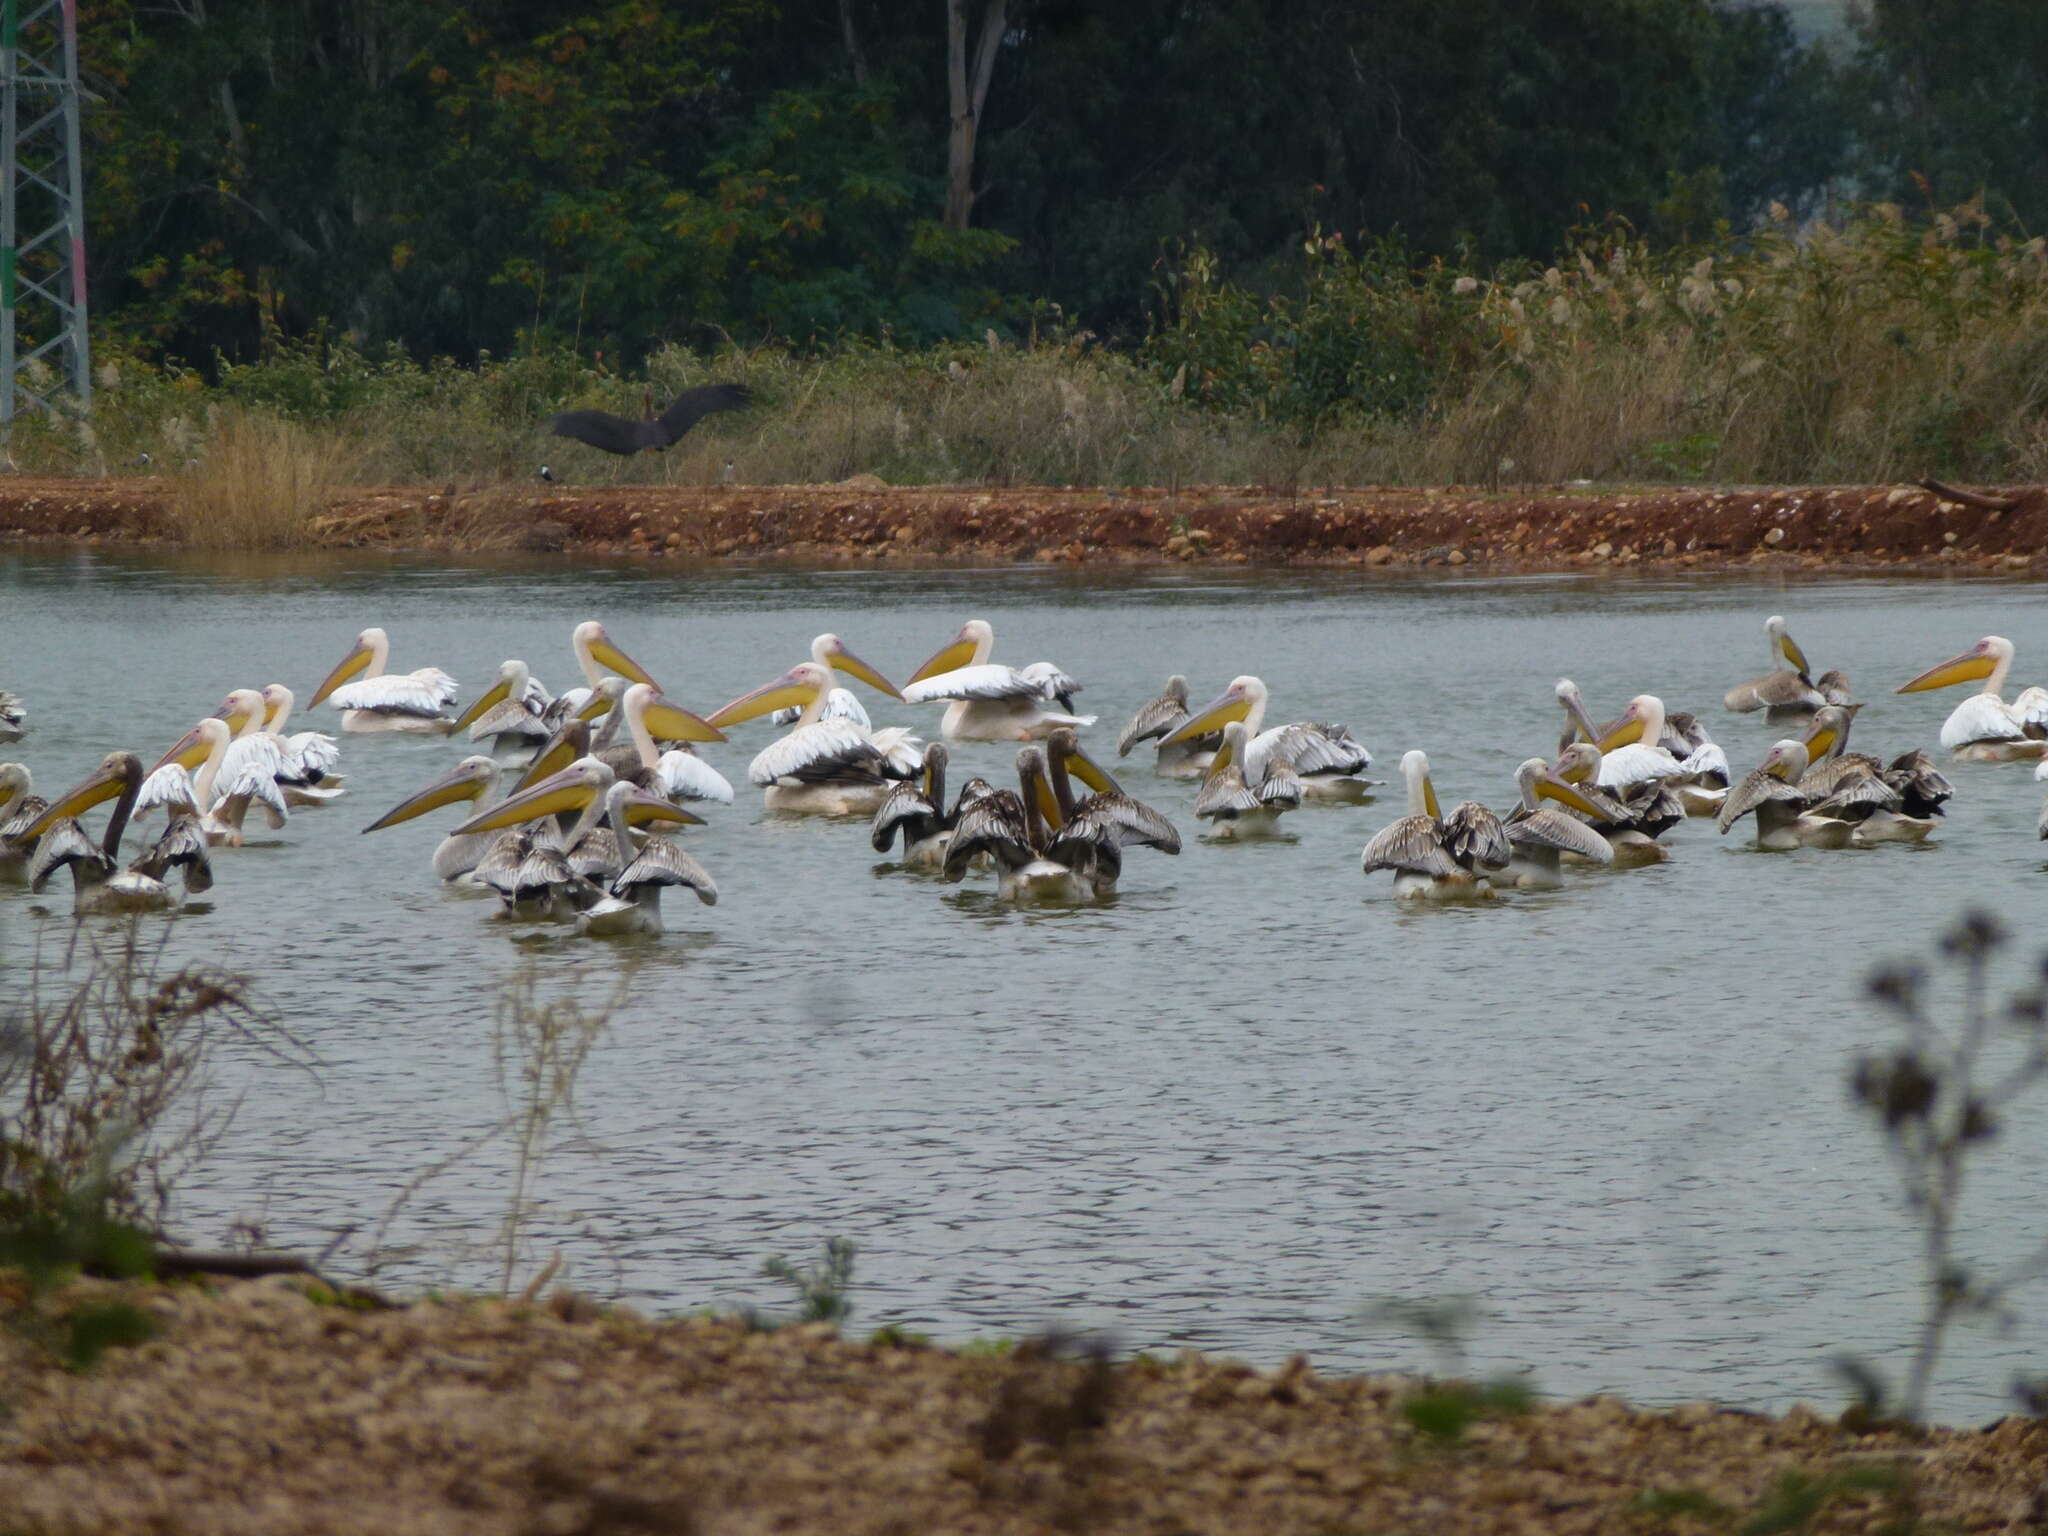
x=258, y=483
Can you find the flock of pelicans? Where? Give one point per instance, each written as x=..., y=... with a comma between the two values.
x=570, y=809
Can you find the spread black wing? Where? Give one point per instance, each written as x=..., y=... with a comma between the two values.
x=621, y=434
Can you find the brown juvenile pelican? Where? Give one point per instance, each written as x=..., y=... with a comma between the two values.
x=511, y=713
x=916, y=811
x=1631, y=820
x=632, y=901
x=1328, y=759
x=1772, y=791
x=1010, y=828
x=385, y=701
x=1787, y=691
x=1984, y=728
x=623, y=435
x=1093, y=833
x=1541, y=835
x=1187, y=759
x=97, y=879
x=1235, y=805
x=1859, y=789
x=13, y=716
x=1436, y=857
x=990, y=702
x=18, y=811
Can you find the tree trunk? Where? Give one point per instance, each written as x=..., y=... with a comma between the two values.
x=968, y=94
x=854, y=56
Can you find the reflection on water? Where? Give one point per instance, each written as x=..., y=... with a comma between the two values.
x=1222, y=1109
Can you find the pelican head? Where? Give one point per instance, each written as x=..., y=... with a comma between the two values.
x=1574, y=703
x=1828, y=736
x=1833, y=685
x=1783, y=646
x=1643, y=721
x=1244, y=697
x=934, y=765
x=1177, y=690
x=118, y=773
x=1538, y=781
x=366, y=658
x=474, y=778
x=1988, y=657
x=646, y=710
x=1578, y=763
x=1063, y=747
x=570, y=742
x=1421, y=792
x=572, y=789
x=596, y=653
x=830, y=651
x=277, y=706
x=14, y=783
x=802, y=685
x=240, y=707
x=968, y=648
x=197, y=745
x=1235, y=740
x=1786, y=760
x=511, y=682
x=627, y=802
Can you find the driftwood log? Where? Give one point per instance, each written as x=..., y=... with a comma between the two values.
x=1969, y=498
x=252, y=1264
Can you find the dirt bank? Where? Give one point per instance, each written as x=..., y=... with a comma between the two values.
x=1811, y=527
x=256, y=1410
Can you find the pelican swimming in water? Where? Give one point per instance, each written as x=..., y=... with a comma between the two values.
x=203, y=776
x=916, y=811
x=1237, y=806
x=1434, y=857
x=1540, y=835
x=511, y=714
x=1783, y=820
x=677, y=774
x=1328, y=759
x=385, y=701
x=1984, y=728
x=13, y=716
x=632, y=901
x=1631, y=821
x=1092, y=833
x=309, y=758
x=1009, y=828
x=822, y=767
x=18, y=810
x=989, y=702
x=1188, y=759
x=597, y=657
x=474, y=781
x=98, y=881
x=1785, y=692
x=1861, y=790
x=840, y=704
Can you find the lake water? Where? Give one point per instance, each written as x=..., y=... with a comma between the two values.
x=1223, y=1110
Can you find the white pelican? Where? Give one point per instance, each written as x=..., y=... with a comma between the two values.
x=1009, y=827
x=677, y=774
x=917, y=811
x=1188, y=759
x=992, y=702
x=98, y=881
x=1783, y=817
x=830, y=651
x=1704, y=783
x=1631, y=823
x=222, y=790
x=632, y=902
x=1540, y=836
x=1786, y=691
x=1438, y=858
x=473, y=781
x=1859, y=789
x=310, y=758
x=18, y=811
x=385, y=701
x=822, y=767
x=13, y=716
x=596, y=656
x=1234, y=805
x=536, y=878
x=1328, y=759
x=511, y=713
x=1984, y=728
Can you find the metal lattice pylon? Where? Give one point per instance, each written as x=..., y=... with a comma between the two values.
x=42, y=209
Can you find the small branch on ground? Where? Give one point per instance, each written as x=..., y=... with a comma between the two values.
x=1949, y=492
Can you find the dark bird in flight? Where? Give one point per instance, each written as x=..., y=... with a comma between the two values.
x=620, y=434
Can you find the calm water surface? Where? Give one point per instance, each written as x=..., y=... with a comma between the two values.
x=1223, y=1109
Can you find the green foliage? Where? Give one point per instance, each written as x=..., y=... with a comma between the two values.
x=1668, y=1504
x=1443, y=1411
x=821, y=1288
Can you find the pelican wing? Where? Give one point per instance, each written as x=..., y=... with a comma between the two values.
x=1922, y=787
x=1310, y=750
x=563, y=707
x=840, y=704
x=1626, y=767
x=1476, y=838
x=1224, y=795
x=509, y=717
x=63, y=843
x=24, y=817
x=1281, y=787
x=1757, y=788
x=168, y=788
x=823, y=752
x=1823, y=779
x=902, y=753
x=1126, y=822
x=995, y=825
x=906, y=810
x=988, y=681
x=183, y=846
x=1857, y=791
x=1783, y=689
x=1705, y=762
x=13, y=713
x=1549, y=827
x=1159, y=718
x=1414, y=845
x=662, y=862
x=500, y=865
x=1051, y=683
x=310, y=757
x=425, y=692
x=683, y=775
x=1980, y=717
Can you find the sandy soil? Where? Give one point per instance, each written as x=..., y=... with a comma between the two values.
x=1836, y=527
x=256, y=1410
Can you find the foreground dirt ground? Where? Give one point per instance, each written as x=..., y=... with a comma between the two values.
x=257, y=1410
x=863, y=519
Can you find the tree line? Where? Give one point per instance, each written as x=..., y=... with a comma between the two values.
x=453, y=179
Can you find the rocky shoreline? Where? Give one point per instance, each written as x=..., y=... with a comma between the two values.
x=2001, y=530
x=272, y=1406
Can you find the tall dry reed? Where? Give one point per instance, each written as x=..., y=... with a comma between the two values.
x=257, y=483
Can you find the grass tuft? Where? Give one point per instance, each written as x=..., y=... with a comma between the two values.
x=258, y=483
